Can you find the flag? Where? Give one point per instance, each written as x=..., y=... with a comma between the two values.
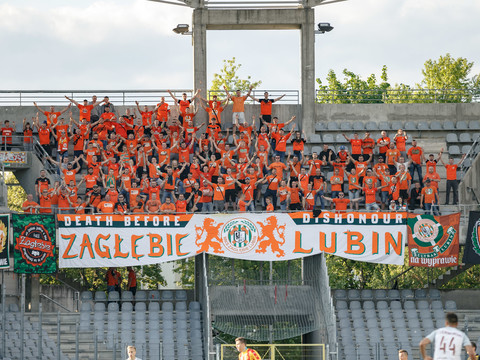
x=472, y=242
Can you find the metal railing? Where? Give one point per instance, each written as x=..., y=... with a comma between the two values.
x=397, y=96
x=55, y=302
x=291, y=96
x=57, y=97
x=152, y=96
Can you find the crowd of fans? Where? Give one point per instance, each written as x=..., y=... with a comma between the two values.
x=160, y=163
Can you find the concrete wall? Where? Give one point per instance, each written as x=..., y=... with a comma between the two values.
x=470, y=181
x=60, y=294
x=466, y=299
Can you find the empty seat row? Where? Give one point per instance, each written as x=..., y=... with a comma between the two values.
x=86, y=307
x=381, y=294
x=395, y=125
x=394, y=305
x=141, y=295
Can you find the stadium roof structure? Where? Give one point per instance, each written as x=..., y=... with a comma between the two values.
x=248, y=4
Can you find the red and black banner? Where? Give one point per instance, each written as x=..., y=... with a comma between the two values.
x=34, y=239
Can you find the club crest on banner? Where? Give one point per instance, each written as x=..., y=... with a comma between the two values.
x=239, y=235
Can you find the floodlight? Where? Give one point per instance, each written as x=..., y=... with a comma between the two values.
x=324, y=27
x=181, y=29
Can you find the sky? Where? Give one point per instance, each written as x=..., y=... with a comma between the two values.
x=129, y=44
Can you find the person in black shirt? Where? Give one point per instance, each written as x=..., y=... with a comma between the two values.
x=41, y=182
x=415, y=195
x=325, y=155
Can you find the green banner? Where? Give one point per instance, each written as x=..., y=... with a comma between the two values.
x=34, y=239
x=4, y=241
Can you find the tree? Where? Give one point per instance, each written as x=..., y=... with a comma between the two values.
x=444, y=80
x=448, y=73
x=228, y=76
x=354, y=90
x=16, y=193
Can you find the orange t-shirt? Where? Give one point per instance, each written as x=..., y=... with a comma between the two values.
x=429, y=194
x=356, y=146
x=238, y=103
x=451, y=171
x=341, y=204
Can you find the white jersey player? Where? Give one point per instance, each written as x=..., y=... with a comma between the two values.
x=448, y=341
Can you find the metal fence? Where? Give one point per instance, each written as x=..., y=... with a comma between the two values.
x=397, y=96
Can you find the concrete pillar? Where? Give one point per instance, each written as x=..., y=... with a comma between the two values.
x=199, y=24
x=307, y=45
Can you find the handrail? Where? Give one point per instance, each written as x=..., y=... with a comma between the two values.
x=392, y=280
x=55, y=302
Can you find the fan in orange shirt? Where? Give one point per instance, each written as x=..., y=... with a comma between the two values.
x=341, y=203
x=238, y=110
x=30, y=206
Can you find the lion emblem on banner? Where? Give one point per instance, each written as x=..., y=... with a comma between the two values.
x=210, y=231
x=273, y=235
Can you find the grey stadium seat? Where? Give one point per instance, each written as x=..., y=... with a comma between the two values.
x=454, y=150
x=320, y=126
x=451, y=138
x=358, y=126
x=345, y=125
x=340, y=139
x=448, y=125
x=86, y=296
x=181, y=295
x=367, y=294
x=465, y=137
x=100, y=296
x=395, y=125
x=437, y=305
x=353, y=294
x=371, y=126
x=423, y=126
x=410, y=126
x=368, y=305
x=382, y=305
x=393, y=294
x=332, y=125
x=420, y=294
x=409, y=305
x=436, y=125
x=466, y=149
x=434, y=294
x=315, y=138
x=423, y=305
x=396, y=305
x=407, y=294
x=154, y=295
x=355, y=304
x=462, y=125
x=127, y=296
x=141, y=295
x=340, y=294
x=380, y=294
x=327, y=139
x=167, y=295
x=474, y=125
x=113, y=296
x=341, y=305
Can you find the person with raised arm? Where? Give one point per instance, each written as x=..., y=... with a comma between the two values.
x=85, y=108
x=266, y=106
x=238, y=110
x=184, y=103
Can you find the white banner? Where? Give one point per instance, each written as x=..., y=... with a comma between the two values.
x=131, y=240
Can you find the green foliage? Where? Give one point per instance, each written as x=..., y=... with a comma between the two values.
x=228, y=76
x=16, y=193
x=186, y=269
x=354, y=90
x=445, y=80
